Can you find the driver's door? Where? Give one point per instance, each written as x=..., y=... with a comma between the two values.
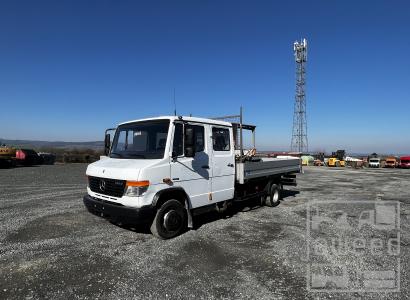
x=192, y=173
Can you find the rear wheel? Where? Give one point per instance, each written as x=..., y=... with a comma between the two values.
x=273, y=197
x=170, y=220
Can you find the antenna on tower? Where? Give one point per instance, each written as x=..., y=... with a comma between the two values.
x=299, y=133
x=175, y=105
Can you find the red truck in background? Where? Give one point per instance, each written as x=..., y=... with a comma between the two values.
x=405, y=162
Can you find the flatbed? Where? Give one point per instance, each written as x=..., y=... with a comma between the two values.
x=266, y=167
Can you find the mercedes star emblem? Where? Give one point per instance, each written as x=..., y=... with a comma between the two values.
x=102, y=185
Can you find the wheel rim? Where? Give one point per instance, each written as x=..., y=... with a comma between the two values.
x=275, y=196
x=172, y=220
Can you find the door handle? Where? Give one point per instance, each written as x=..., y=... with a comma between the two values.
x=205, y=167
x=230, y=165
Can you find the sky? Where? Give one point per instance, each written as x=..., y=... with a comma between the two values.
x=71, y=69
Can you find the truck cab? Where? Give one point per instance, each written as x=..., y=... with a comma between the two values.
x=374, y=162
x=161, y=170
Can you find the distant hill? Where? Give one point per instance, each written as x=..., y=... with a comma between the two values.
x=97, y=145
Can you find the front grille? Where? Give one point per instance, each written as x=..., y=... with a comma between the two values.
x=105, y=186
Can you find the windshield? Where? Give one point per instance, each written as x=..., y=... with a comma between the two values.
x=405, y=161
x=141, y=140
x=374, y=160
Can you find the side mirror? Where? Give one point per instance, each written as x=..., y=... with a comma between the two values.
x=107, y=144
x=189, y=150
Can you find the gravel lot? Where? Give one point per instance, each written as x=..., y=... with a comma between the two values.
x=51, y=247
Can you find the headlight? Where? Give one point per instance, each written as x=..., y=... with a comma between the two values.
x=136, y=188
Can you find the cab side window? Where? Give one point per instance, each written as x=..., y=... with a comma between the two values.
x=220, y=139
x=199, y=133
x=199, y=138
x=178, y=145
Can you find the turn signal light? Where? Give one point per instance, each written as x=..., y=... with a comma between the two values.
x=136, y=188
x=137, y=183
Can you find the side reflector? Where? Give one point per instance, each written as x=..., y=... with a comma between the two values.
x=167, y=180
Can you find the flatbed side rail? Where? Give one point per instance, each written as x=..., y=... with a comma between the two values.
x=250, y=170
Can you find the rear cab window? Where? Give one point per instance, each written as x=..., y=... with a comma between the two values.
x=221, y=139
x=199, y=137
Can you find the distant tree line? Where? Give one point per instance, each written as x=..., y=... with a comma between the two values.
x=75, y=155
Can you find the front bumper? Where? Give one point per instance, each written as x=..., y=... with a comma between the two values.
x=119, y=213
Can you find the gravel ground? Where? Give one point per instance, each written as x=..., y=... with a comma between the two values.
x=51, y=247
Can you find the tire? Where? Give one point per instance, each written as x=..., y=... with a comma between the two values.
x=170, y=220
x=273, y=197
x=263, y=199
x=337, y=164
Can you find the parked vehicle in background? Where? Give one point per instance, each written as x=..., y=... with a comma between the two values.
x=354, y=162
x=391, y=162
x=12, y=156
x=163, y=171
x=374, y=162
x=318, y=163
x=307, y=160
x=28, y=157
x=405, y=162
x=7, y=156
x=47, y=158
x=319, y=156
x=337, y=159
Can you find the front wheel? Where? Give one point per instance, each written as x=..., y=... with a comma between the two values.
x=170, y=220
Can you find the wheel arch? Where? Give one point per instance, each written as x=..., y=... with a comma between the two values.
x=276, y=179
x=177, y=193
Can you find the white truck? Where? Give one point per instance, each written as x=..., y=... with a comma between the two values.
x=165, y=170
x=374, y=162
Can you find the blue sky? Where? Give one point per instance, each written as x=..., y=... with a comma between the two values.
x=70, y=69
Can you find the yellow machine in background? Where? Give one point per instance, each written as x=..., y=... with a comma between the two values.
x=334, y=162
x=337, y=159
x=7, y=156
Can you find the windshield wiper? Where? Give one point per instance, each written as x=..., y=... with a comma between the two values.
x=136, y=155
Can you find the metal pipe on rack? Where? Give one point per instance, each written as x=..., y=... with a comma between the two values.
x=240, y=127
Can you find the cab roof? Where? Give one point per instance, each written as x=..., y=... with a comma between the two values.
x=184, y=118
